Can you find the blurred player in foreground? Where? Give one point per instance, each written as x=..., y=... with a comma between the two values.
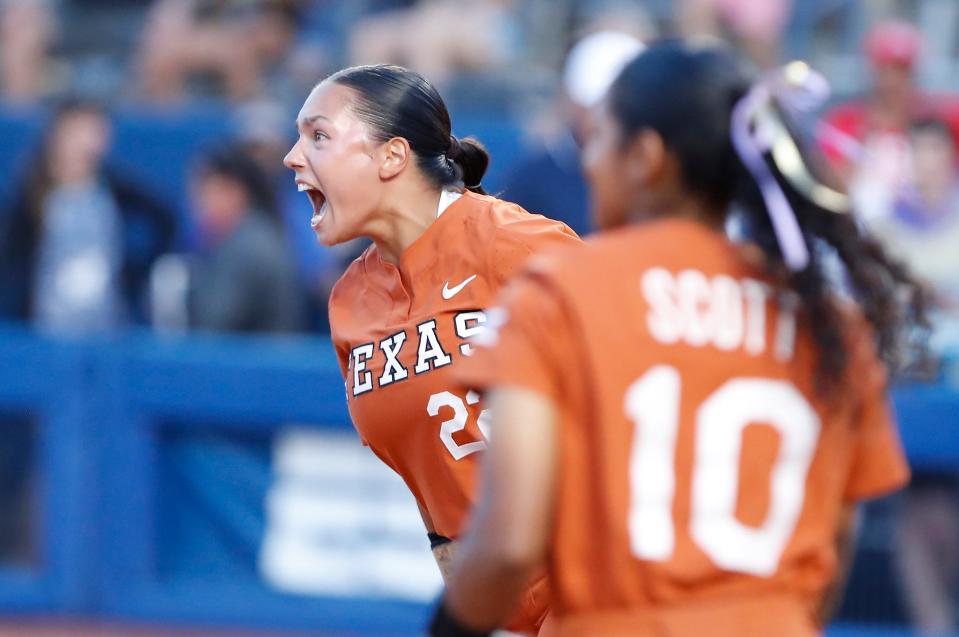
x=377, y=159
x=682, y=426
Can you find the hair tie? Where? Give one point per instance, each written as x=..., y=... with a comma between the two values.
x=797, y=88
x=455, y=149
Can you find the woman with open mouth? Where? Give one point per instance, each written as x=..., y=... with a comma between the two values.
x=377, y=159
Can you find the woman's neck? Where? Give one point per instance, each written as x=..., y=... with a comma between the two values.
x=404, y=223
x=679, y=205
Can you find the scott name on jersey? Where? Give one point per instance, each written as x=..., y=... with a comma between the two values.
x=720, y=311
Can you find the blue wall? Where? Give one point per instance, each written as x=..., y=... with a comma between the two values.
x=103, y=408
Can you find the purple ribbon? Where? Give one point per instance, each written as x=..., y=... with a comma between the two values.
x=796, y=88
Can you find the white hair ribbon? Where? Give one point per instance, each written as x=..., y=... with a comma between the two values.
x=796, y=87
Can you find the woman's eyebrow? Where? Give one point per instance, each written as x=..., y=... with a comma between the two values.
x=306, y=121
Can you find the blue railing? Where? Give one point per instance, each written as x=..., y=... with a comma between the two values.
x=101, y=406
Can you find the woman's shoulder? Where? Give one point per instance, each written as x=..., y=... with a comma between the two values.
x=499, y=211
x=498, y=219
x=505, y=235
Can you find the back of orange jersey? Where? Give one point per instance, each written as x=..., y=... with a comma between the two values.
x=697, y=460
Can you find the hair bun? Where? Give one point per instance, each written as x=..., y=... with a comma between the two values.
x=472, y=159
x=455, y=149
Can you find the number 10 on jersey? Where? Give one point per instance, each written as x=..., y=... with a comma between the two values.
x=652, y=403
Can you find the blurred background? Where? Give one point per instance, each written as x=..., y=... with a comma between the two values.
x=175, y=452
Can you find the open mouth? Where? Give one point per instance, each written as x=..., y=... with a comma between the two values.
x=317, y=200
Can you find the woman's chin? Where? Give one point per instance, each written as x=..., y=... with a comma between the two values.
x=324, y=238
x=329, y=233
x=325, y=235
x=321, y=228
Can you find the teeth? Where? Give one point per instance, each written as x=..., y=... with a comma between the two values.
x=318, y=217
x=302, y=187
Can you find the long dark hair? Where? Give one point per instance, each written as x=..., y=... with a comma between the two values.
x=687, y=95
x=40, y=179
x=397, y=102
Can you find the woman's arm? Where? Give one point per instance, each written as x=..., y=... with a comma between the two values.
x=511, y=526
x=441, y=546
x=444, y=554
x=845, y=549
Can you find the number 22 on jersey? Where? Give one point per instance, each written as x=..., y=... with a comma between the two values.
x=652, y=403
x=458, y=422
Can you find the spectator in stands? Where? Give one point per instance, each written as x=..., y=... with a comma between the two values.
x=243, y=281
x=866, y=138
x=551, y=181
x=78, y=244
x=234, y=41
x=27, y=32
x=923, y=230
x=438, y=38
x=756, y=25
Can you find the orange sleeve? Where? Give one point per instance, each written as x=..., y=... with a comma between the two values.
x=878, y=465
x=521, y=346
x=522, y=236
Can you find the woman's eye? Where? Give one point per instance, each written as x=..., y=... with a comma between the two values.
x=320, y=135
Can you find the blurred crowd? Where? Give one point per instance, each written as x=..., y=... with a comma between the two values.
x=85, y=247
x=116, y=253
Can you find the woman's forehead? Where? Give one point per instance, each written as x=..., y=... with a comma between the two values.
x=328, y=100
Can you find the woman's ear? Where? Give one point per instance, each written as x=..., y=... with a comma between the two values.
x=645, y=158
x=395, y=154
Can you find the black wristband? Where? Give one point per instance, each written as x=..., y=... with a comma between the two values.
x=444, y=624
x=437, y=540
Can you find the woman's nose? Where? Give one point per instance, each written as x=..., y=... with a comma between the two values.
x=293, y=159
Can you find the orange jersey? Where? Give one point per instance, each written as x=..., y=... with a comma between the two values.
x=399, y=331
x=700, y=475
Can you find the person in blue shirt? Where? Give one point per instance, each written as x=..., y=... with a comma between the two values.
x=550, y=181
x=79, y=241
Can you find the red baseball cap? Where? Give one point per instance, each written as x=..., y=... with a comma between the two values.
x=893, y=42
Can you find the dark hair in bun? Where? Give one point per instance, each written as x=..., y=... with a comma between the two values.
x=397, y=102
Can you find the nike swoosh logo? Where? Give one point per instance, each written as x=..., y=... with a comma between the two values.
x=449, y=292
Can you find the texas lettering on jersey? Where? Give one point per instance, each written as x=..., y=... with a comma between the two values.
x=401, y=329
x=430, y=352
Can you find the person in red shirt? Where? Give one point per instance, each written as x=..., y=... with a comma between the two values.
x=866, y=138
x=377, y=159
x=682, y=425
